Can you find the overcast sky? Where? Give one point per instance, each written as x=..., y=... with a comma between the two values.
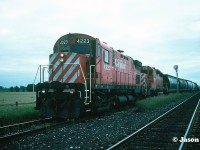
x=159, y=33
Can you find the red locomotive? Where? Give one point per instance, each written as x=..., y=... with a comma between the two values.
x=85, y=74
x=154, y=80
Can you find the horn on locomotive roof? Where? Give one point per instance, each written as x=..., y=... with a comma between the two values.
x=121, y=51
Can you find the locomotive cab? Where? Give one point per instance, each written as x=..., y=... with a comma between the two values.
x=67, y=91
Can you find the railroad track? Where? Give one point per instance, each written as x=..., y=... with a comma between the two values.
x=167, y=131
x=15, y=131
x=193, y=132
x=21, y=130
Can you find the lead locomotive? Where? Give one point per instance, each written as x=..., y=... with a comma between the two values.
x=85, y=74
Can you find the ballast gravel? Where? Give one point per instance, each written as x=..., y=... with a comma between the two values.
x=98, y=133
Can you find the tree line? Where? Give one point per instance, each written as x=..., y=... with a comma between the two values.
x=28, y=88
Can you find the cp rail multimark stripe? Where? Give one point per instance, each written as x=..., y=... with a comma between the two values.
x=64, y=71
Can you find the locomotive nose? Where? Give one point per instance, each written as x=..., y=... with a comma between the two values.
x=67, y=67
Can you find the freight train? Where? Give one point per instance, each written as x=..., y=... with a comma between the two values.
x=87, y=75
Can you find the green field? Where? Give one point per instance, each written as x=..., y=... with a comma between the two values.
x=12, y=97
x=12, y=113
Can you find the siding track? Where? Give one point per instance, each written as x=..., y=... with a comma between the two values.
x=11, y=132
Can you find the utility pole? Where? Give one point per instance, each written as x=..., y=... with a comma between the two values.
x=176, y=69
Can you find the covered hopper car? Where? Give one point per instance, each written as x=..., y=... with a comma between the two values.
x=170, y=83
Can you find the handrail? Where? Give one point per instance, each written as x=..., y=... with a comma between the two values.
x=35, y=77
x=91, y=81
x=39, y=68
x=85, y=82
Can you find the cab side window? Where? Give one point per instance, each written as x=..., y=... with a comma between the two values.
x=106, y=56
x=98, y=50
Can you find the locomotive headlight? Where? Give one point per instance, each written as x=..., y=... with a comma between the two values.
x=61, y=59
x=61, y=55
x=43, y=91
x=71, y=91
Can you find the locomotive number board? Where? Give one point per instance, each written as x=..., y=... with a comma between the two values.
x=83, y=41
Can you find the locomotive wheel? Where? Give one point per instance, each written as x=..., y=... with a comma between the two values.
x=45, y=110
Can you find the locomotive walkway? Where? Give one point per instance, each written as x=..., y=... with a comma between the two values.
x=168, y=130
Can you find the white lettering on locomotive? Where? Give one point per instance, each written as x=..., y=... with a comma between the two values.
x=107, y=67
x=64, y=42
x=119, y=63
x=83, y=41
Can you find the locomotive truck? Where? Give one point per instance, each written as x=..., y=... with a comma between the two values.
x=87, y=75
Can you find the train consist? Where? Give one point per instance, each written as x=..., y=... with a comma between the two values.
x=85, y=74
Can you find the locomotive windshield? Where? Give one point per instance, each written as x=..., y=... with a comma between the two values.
x=81, y=49
x=77, y=43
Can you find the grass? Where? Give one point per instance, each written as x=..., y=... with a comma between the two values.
x=159, y=101
x=10, y=98
x=24, y=111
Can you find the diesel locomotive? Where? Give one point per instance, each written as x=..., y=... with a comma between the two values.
x=87, y=75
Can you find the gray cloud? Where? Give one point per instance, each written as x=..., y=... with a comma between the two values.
x=158, y=33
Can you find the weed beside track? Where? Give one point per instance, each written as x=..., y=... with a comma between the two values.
x=159, y=101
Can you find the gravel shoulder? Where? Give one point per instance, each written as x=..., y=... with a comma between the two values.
x=98, y=133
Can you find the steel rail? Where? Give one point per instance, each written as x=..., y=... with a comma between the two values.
x=15, y=134
x=21, y=134
x=121, y=142
x=189, y=126
x=23, y=123
x=11, y=137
